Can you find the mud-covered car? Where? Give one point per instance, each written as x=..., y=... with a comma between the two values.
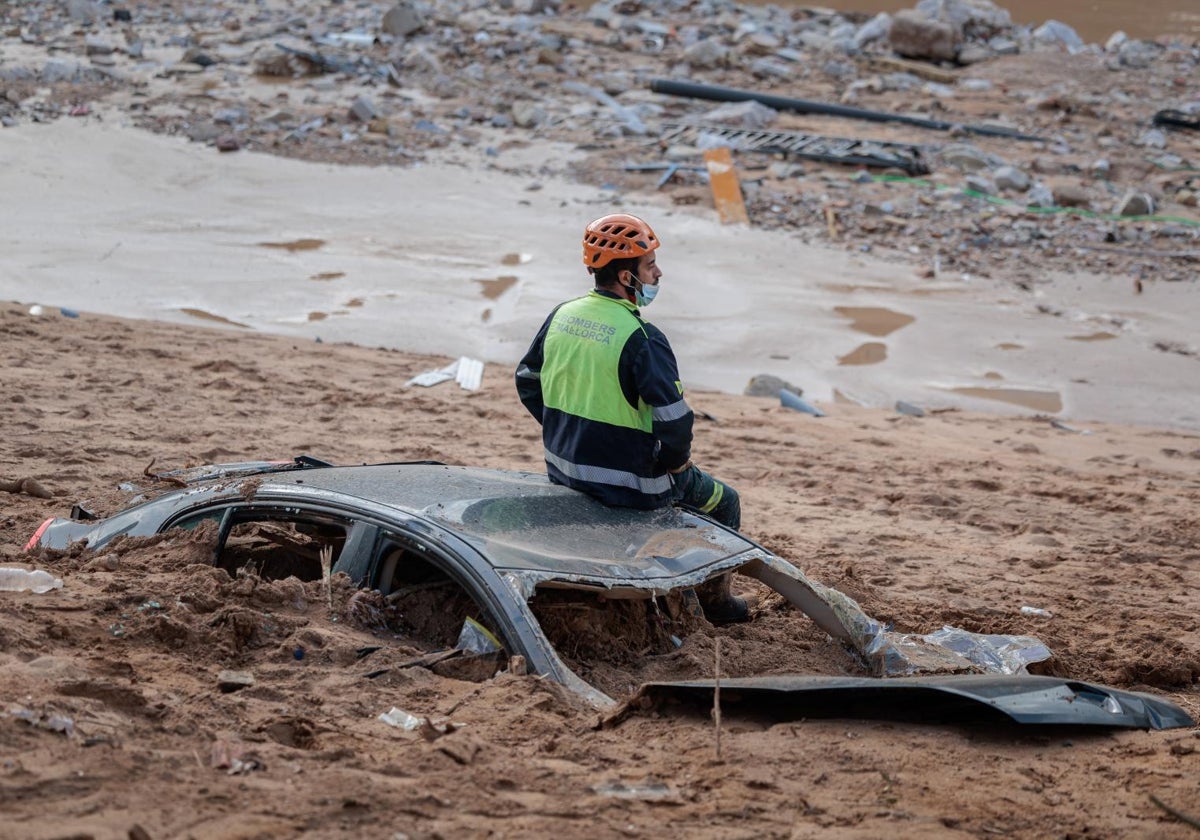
x=483, y=547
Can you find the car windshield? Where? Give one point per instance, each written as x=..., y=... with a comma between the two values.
x=577, y=535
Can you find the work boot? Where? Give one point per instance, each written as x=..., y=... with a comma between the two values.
x=719, y=603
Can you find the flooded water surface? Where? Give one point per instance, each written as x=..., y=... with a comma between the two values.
x=1094, y=20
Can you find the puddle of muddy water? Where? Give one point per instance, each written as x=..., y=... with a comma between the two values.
x=874, y=320
x=317, y=316
x=516, y=259
x=492, y=289
x=208, y=316
x=1047, y=401
x=1008, y=345
x=295, y=245
x=328, y=275
x=1096, y=336
x=871, y=353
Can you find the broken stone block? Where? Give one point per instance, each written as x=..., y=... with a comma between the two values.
x=1069, y=194
x=768, y=385
x=708, y=54
x=527, y=114
x=965, y=157
x=1057, y=33
x=1011, y=178
x=230, y=681
x=363, y=110
x=876, y=29
x=915, y=35
x=980, y=183
x=402, y=20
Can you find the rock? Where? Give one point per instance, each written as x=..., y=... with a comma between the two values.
x=230, y=681
x=528, y=114
x=980, y=183
x=908, y=408
x=1011, y=178
x=1187, y=198
x=769, y=68
x=95, y=45
x=363, y=110
x=1040, y=196
x=231, y=116
x=228, y=143
x=973, y=54
x=1057, y=33
x=83, y=11
x=965, y=157
x=402, y=20
x=1154, y=138
x=970, y=18
x=767, y=385
x=195, y=55
x=1069, y=194
x=876, y=29
x=915, y=35
x=1135, y=203
x=1115, y=41
x=122, y=15
x=59, y=71
x=1138, y=54
x=707, y=54
x=1101, y=168
x=1003, y=46
x=748, y=114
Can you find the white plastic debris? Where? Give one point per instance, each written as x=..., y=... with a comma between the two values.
x=402, y=720
x=466, y=371
x=38, y=581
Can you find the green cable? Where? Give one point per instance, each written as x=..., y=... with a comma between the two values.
x=1072, y=211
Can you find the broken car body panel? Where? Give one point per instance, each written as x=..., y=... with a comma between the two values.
x=967, y=698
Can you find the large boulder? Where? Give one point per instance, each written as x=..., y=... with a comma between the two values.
x=971, y=18
x=916, y=35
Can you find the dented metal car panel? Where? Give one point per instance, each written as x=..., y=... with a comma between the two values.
x=966, y=698
x=502, y=535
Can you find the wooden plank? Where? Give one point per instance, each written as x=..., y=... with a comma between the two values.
x=726, y=188
x=890, y=64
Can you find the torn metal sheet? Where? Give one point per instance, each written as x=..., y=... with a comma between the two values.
x=851, y=152
x=964, y=699
x=891, y=654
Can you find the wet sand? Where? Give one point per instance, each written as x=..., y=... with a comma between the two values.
x=125, y=223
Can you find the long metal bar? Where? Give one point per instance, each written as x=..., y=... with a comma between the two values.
x=717, y=93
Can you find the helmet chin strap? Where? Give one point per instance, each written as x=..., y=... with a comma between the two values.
x=630, y=289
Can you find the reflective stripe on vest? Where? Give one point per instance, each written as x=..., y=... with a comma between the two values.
x=604, y=475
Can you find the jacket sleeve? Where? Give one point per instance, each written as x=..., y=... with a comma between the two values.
x=657, y=377
x=529, y=373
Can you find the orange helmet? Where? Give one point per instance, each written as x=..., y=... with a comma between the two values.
x=616, y=237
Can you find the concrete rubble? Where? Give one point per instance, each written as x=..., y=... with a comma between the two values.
x=466, y=80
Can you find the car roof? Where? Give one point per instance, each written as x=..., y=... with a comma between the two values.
x=521, y=521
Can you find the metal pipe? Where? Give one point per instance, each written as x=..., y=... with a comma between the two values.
x=807, y=106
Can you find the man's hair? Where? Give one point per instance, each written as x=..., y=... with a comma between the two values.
x=606, y=276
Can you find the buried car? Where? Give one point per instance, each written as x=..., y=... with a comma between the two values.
x=501, y=541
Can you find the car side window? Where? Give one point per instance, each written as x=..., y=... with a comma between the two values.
x=281, y=543
x=430, y=605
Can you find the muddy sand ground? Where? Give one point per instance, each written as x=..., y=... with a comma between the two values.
x=954, y=518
